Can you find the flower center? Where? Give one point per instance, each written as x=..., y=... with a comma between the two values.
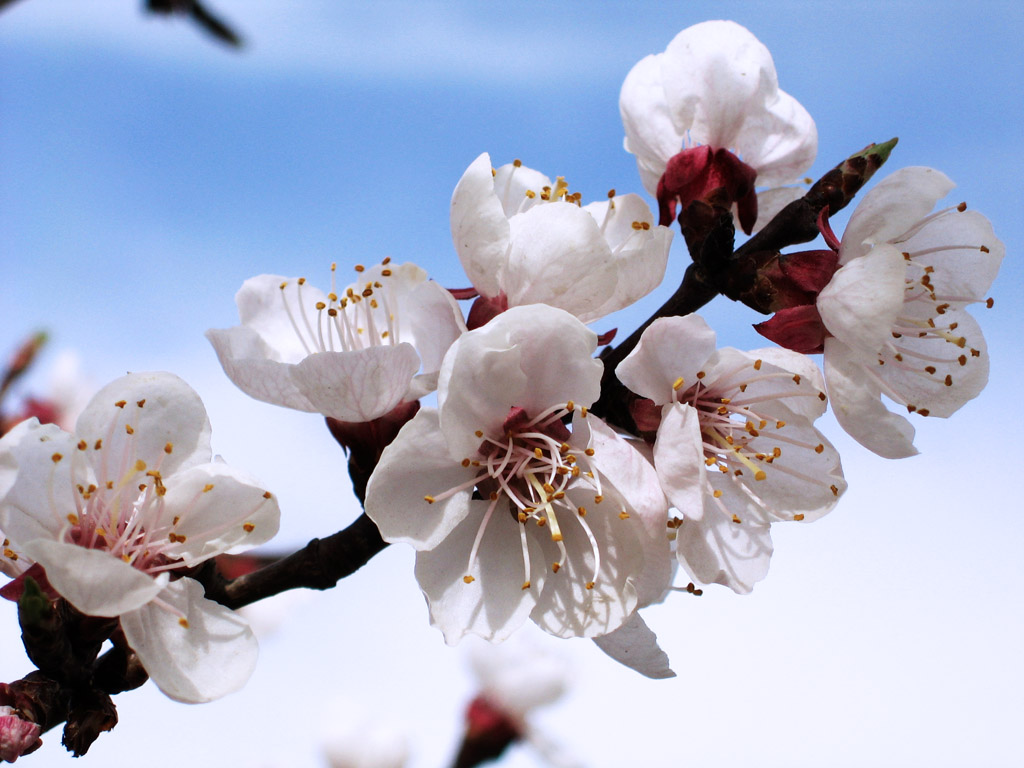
x=365, y=315
x=531, y=470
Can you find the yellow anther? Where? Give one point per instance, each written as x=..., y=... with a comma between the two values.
x=526, y=585
x=517, y=163
x=678, y=384
x=140, y=466
x=121, y=403
x=589, y=451
x=183, y=622
x=429, y=499
x=598, y=499
x=582, y=511
x=590, y=585
x=555, y=567
x=208, y=487
x=468, y=579
x=538, y=453
x=128, y=428
x=56, y=458
x=760, y=474
x=717, y=494
x=248, y=527
x=73, y=519
x=798, y=517
x=360, y=268
x=819, y=448
x=757, y=365
x=386, y=272
x=570, y=406
x=623, y=515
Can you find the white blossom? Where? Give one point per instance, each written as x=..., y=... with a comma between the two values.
x=525, y=240
x=353, y=354
x=111, y=511
x=896, y=310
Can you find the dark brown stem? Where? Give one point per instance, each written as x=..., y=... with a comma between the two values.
x=319, y=565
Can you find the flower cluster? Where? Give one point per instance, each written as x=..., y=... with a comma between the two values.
x=542, y=481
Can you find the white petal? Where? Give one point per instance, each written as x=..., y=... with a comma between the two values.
x=281, y=316
x=512, y=183
x=650, y=133
x=137, y=415
x=36, y=492
x=862, y=300
x=565, y=607
x=360, y=385
x=480, y=229
x=219, y=509
x=636, y=646
x=804, y=399
x=414, y=465
x=212, y=656
x=494, y=604
x=679, y=459
x=929, y=363
x=558, y=256
x=780, y=142
x=892, y=207
x=431, y=320
x=716, y=74
x=716, y=550
x=856, y=402
x=531, y=357
x=251, y=365
x=640, y=255
x=670, y=348
x=94, y=581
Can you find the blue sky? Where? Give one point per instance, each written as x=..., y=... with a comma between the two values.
x=145, y=173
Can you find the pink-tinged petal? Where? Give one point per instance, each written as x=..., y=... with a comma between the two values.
x=650, y=132
x=716, y=550
x=277, y=308
x=855, y=392
x=936, y=375
x=634, y=645
x=480, y=229
x=860, y=304
x=531, y=357
x=892, y=207
x=416, y=464
x=37, y=471
x=715, y=74
x=558, y=256
x=565, y=606
x=139, y=415
x=670, y=348
x=360, y=385
x=193, y=649
x=218, y=509
x=963, y=251
x=249, y=362
x=94, y=581
x=492, y=605
x=18, y=737
x=679, y=459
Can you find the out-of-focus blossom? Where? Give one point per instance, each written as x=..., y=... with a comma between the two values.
x=512, y=513
x=708, y=113
x=353, y=738
x=111, y=511
x=17, y=736
x=736, y=448
x=525, y=240
x=352, y=355
x=895, y=311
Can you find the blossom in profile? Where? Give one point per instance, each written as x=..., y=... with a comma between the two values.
x=133, y=497
x=708, y=113
x=352, y=354
x=894, y=313
x=509, y=506
x=735, y=449
x=523, y=239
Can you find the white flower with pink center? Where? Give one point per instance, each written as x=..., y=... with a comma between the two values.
x=508, y=505
x=896, y=309
x=523, y=239
x=352, y=354
x=113, y=511
x=715, y=88
x=736, y=449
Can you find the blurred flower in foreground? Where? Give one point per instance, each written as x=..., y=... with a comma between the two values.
x=110, y=511
x=510, y=511
x=17, y=736
x=354, y=739
x=707, y=114
x=353, y=355
x=523, y=240
x=514, y=678
x=736, y=448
